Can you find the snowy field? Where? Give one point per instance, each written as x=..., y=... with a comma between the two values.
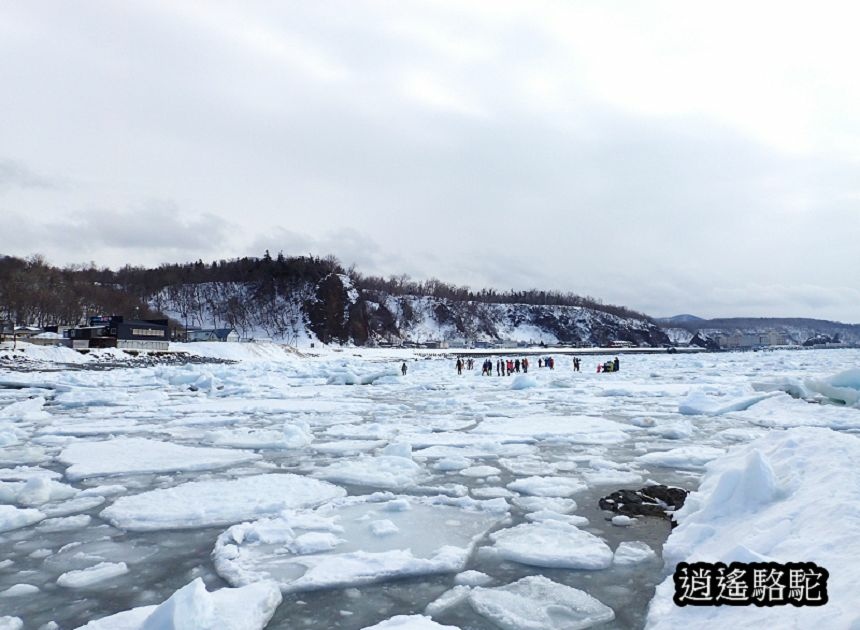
x=331, y=491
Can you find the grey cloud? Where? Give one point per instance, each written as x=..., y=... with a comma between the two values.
x=14, y=174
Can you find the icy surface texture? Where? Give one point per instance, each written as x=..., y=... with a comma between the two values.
x=538, y=603
x=357, y=540
x=788, y=496
x=217, y=502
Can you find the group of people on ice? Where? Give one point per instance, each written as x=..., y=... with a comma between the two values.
x=506, y=367
x=609, y=366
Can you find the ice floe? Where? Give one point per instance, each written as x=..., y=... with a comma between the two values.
x=538, y=603
x=551, y=543
x=193, y=607
x=357, y=540
x=217, y=502
x=128, y=456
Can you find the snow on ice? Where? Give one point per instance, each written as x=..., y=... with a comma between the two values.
x=357, y=540
x=217, y=502
x=268, y=464
x=128, y=456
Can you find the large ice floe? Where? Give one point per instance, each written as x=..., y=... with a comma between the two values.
x=218, y=502
x=125, y=456
x=536, y=603
x=194, y=608
x=551, y=543
x=357, y=540
x=791, y=496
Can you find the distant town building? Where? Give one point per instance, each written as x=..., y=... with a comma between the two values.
x=117, y=332
x=213, y=334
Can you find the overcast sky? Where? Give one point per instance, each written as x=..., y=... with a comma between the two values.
x=672, y=157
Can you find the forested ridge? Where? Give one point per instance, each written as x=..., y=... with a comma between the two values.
x=278, y=295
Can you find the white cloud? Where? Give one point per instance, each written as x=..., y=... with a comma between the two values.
x=674, y=157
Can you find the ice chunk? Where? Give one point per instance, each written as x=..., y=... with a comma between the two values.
x=297, y=433
x=553, y=504
x=678, y=430
x=472, y=578
x=480, y=471
x=538, y=603
x=11, y=623
x=843, y=387
x=699, y=402
x=524, y=381
x=632, y=553
x=448, y=599
x=39, y=490
x=621, y=520
x=247, y=438
x=452, y=463
x=398, y=449
x=552, y=544
x=684, y=457
x=547, y=486
x=138, y=455
x=549, y=515
x=23, y=473
x=19, y=590
x=574, y=429
x=64, y=523
x=193, y=608
x=383, y=527
x=13, y=518
x=218, y=502
x=384, y=471
x=409, y=622
x=435, y=535
x=84, y=578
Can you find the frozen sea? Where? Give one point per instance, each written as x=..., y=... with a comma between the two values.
x=332, y=491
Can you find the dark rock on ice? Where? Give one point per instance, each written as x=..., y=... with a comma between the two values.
x=648, y=501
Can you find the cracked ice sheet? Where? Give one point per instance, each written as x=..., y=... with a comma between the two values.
x=384, y=471
x=538, y=603
x=573, y=429
x=552, y=544
x=124, y=456
x=217, y=502
x=357, y=540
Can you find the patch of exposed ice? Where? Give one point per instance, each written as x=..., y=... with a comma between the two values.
x=547, y=486
x=193, y=607
x=218, y=502
x=15, y=518
x=424, y=535
x=124, y=456
x=552, y=543
x=684, y=457
x=632, y=553
x=409, y=622
x=538, y=603
x=84, y=578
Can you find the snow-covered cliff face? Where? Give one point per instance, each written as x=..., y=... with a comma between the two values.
x=335, y=311
x=422, y=319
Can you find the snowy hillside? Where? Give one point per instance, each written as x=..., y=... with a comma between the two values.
x=794, y=331
x=334, y=310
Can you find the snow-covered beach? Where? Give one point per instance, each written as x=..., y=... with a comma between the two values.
x=330, y=490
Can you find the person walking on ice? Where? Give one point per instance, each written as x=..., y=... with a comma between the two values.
x=403, y=368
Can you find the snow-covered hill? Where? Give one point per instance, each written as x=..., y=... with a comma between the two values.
x=335, y=311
